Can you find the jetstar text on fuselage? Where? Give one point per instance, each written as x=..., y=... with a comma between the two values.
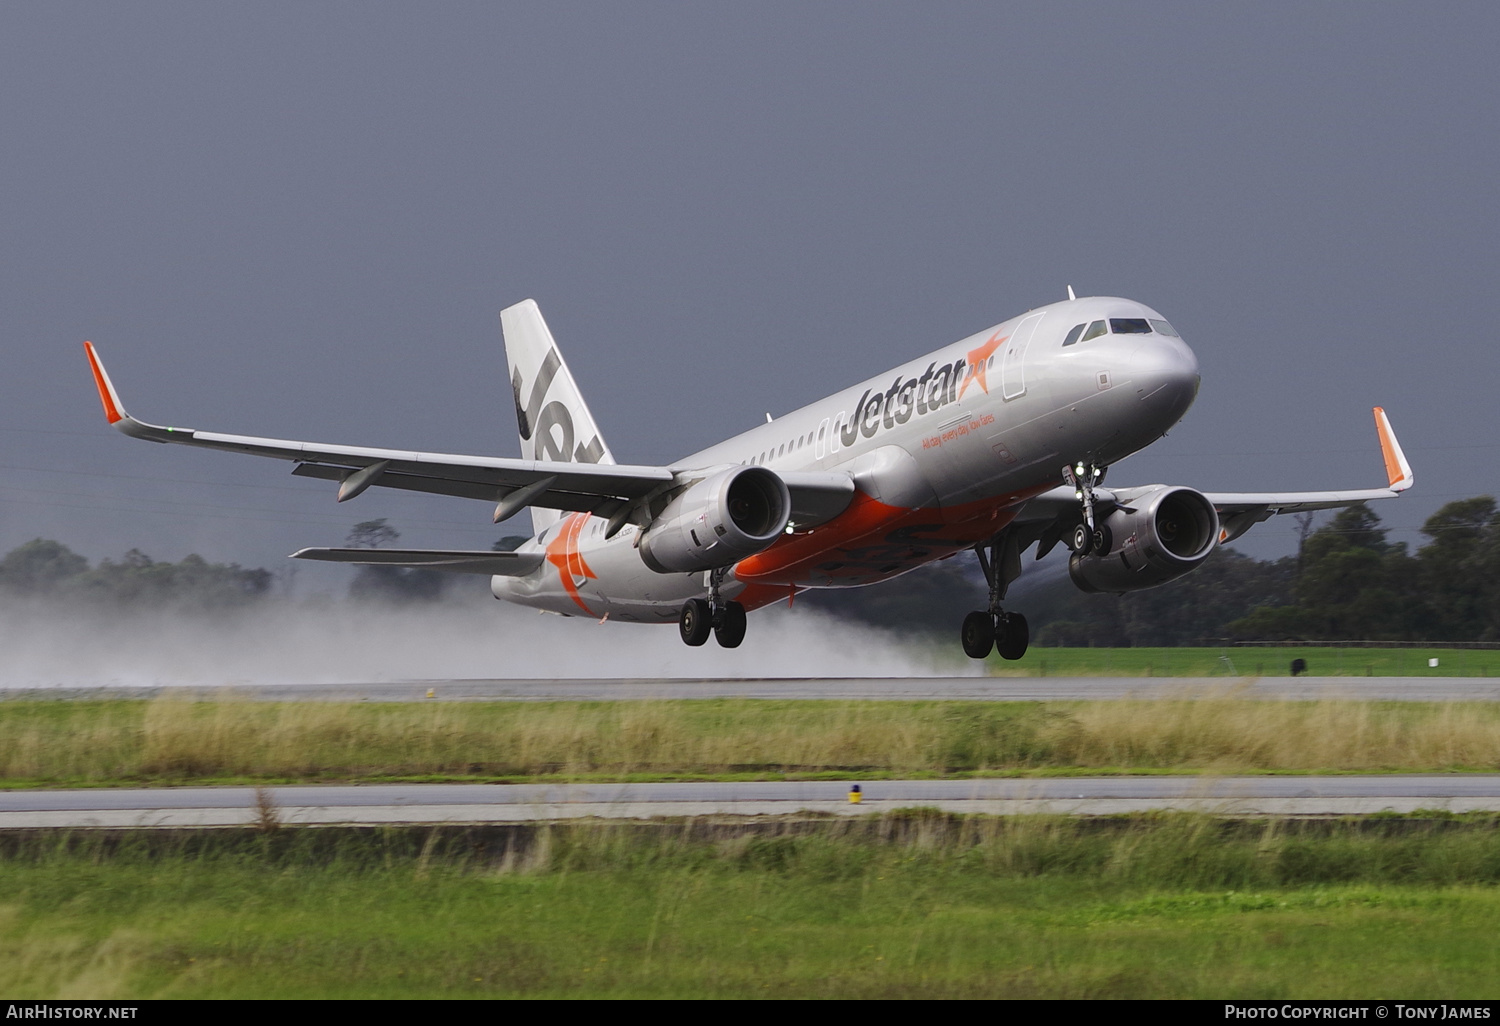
x=907, y=397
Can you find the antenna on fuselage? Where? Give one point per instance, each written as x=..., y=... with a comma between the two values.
x=1070, y=293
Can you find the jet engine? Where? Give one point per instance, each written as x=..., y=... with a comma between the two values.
x=718, y=521
x=1156, y=537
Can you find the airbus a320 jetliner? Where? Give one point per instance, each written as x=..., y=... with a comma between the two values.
x=994, y=443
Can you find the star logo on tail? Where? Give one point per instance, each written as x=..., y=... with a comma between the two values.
x=562, y=552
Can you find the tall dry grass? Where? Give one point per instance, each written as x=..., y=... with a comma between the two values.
x=175, y=739
x=298, y=739
x=1233, y=734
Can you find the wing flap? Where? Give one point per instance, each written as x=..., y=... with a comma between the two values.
x=456, y=561
x=553, y=498
x=1293, y=502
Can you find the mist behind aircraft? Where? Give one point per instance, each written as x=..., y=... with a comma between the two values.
x=326, y=641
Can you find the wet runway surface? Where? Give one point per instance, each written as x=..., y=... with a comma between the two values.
x=506, y=803
x=998, y=689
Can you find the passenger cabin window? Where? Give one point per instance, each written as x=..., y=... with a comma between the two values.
x=1073, y=335
x=1163, y=328
x=1129, y=326
x=1095, y=330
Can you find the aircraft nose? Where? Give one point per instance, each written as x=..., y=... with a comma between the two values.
x=1165, y=374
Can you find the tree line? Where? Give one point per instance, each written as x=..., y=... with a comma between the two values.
x=43, y=569
x=1347, y=582
x=47, y=570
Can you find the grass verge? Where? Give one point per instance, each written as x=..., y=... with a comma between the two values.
x=1322, y=661
x=920, y=905
x=171, y=741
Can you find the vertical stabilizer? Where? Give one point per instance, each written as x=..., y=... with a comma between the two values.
x=554, y=422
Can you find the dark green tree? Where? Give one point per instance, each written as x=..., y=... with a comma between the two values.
x=1456, y=584
x=389, y=583
x=1354, y=585
x=371, y=534
x=1193, y=609
x=39, y=567
x=138, y=582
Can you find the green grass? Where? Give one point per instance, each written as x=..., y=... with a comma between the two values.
x=1322, y=661
x=915, y=906
x=173, y=741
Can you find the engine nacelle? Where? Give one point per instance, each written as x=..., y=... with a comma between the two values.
x=718, y=521
x=1162, y=534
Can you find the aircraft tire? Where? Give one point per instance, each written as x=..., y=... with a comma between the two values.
x=695, y=622
x=731, y=632
x=1103, y=540
x=978, y=635
x=1014, y=637
x=1083, y=540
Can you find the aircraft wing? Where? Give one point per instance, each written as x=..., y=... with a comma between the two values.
x=601, y=489
x=491, y=564
x=1238, y=511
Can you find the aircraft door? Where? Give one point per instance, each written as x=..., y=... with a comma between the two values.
x=1013, y=358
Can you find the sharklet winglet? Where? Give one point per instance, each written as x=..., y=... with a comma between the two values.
x=1397, y=470
x=114, y=410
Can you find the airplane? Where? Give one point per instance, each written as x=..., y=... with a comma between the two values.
x=994, y=443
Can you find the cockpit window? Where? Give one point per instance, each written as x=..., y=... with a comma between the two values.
x=1163, y=328
x=1095, y=330
x=1129, y=326
x=1073, y=335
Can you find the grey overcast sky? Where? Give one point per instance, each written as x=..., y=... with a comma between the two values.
x=301, y=219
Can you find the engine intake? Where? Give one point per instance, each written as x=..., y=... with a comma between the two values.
x=718, y=521
x=1163, y=533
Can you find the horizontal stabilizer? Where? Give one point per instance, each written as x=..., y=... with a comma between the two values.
x=456, y=561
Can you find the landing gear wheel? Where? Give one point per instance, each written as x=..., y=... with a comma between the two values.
x=695, y=621
x=979, y=635
x=1083, y=539
x=1103, y=540
x=1000, y=559
x=1012, y=636
x=731, y=631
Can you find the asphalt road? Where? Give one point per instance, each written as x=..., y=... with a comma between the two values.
x=999, y=689
x=511, y=803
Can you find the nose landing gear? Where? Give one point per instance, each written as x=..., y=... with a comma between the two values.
x=726, y=620
x=1007, y=633
x=1089, y=535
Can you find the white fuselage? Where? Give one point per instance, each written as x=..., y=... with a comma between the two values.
x=940, y=448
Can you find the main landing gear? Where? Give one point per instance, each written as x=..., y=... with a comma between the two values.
x=700, y=616
x=1007, y=633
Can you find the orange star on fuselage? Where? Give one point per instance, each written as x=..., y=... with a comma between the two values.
x=562, y=552
x=978, y=359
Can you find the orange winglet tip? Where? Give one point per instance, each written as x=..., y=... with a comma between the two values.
x=1397, y=469
x=113, y=412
